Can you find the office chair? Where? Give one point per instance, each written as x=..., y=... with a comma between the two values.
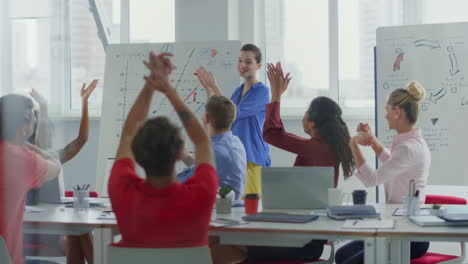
x=433, y=258
x=124, y=255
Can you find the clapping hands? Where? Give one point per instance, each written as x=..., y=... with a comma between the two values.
x=160, y=67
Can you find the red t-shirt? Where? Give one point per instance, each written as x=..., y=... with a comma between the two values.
x=310, y=151
x=175, y=216
x=20, y=170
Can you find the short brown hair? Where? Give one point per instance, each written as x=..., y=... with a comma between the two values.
x=256, y=50
x=15, y=112
x=221, y=111
x=156, y=146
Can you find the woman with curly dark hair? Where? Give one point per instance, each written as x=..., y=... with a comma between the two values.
x=328, y=144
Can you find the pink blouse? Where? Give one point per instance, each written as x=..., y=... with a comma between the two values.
x=409, y=159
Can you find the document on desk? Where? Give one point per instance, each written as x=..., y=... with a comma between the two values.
x=221, y=222
x=369, y=224
x=31, y=209
x=107, y=216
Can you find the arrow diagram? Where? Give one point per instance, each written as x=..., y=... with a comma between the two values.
x=434, y=44
x=454, y=63
x=399, y=59
x=436, y=97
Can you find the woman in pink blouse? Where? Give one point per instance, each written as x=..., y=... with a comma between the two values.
x=408, y=159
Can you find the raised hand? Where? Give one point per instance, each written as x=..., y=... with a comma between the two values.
x=365, y=132
x=278, y=81
x=160, y=67
x=208, y=81
x=38, y=97
x=87, y=91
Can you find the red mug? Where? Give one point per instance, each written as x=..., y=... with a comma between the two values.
x=251, y=203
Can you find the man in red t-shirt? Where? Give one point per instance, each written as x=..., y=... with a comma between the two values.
x=22, y=167
x=159, y=211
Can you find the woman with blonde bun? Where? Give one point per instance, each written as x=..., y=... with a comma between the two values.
x=409, y=159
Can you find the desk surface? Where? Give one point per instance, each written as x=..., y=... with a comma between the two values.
x=60, y=215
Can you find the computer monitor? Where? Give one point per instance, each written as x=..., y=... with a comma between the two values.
x=296, y=187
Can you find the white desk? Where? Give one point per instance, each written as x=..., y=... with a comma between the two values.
x=55, y=219
x=381, y=246
x=398, y=240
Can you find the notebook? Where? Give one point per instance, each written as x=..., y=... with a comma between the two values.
x=432, y=220
x=280, y=217
x=352, y=212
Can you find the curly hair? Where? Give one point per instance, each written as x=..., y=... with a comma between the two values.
x=326, y=114
x=156, y=146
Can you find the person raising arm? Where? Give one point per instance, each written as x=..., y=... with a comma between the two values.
x=159, y=211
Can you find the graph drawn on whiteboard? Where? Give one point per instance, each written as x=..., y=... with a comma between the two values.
x=124, y=80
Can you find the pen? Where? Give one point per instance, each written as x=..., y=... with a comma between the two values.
x=355, y=222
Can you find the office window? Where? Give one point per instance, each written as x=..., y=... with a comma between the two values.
x=444, y=11
x=297, y=35
x=29, y=43
x=357, y=24
x=152, y=21
x=87, y=52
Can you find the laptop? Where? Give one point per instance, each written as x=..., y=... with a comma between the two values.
x=296, y=187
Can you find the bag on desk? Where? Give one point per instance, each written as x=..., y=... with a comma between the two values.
x=341, y=212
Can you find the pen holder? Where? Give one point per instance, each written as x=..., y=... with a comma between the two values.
x=81, y=199
x=411, y=205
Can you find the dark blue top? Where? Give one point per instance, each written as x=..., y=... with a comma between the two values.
x=248, y=125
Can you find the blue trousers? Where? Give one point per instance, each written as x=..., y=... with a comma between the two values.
x=310, y=252
x=353, y=252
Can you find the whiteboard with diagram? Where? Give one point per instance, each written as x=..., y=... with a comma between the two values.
x=436, y=55
x=124, y=79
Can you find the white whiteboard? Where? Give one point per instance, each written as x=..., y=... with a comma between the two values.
x=123, y=81
x=436, y=55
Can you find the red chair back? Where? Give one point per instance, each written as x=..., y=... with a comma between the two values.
x=443, y=199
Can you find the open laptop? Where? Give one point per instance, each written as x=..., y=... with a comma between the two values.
x=296, y=187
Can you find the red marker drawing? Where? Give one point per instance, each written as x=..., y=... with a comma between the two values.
x=213, y=52
x=399, y=59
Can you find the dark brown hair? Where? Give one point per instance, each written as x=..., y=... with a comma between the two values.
x=326, y=114
x=221, y=111
x=15, y=112
x=256, y=50
x=156, y=146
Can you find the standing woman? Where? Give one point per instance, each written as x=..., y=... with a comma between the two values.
x=250, y=99
x=409, y=159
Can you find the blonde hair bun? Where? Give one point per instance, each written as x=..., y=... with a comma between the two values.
x=416, y=90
